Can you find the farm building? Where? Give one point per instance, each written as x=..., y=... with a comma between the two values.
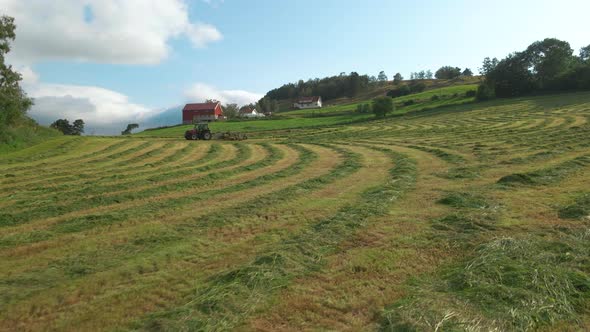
x=250, y=112
x=201, y=112
x=308, y=102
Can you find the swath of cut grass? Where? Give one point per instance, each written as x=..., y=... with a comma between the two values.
x=547, y=175
x=509, y=284
x=578, y=210
x=227, y=298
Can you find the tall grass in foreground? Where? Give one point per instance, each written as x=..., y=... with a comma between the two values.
x=510, y=283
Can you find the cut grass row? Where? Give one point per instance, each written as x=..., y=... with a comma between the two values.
x=228, y=297
x=282, y=195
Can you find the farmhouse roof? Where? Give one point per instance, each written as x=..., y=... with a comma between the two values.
x=247, y=109
x=308, y=100
x=200, y=107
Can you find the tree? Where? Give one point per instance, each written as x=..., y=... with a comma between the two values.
x=421, y=75
x=488, y=66
x=355, y=84
x=549, y=59
x=397, y=78
x=263, y=105
x=382, y=106
x=428, y=74
x=231, y=111
x=417, y=87
x=14, y=103
x=274, y=106
x=63, y=125
x=447, y=72
x=129, y=128
x=78, y=127
x=585, y=54
x=399, y=92
x=467, y=72
x=382, y=77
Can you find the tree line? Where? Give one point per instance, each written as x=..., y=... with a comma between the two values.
x=349, y=85
x=544, y=66
x=343, y=85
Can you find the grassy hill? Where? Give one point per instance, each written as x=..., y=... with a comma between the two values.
x=465, y=217
x=27, y=133
x=343, y=113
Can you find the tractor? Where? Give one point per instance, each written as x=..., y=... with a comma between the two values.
x=201, y=131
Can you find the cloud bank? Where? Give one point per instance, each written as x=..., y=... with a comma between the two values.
x=104, y=111
x=199, y=92
x=107, y=112
x=103, y=31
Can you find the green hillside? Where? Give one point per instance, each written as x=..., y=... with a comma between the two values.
x=23, y=135
x=331, y=115
x=466, y=217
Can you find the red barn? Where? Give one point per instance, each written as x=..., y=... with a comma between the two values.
x=201, y=112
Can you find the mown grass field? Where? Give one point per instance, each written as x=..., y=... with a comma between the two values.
x=469, y=217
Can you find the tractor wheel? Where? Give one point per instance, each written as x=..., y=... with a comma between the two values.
x=207, y=136
x=194, y=137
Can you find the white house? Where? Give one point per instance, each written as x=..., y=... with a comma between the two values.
x=308, y=102
x=249, y=112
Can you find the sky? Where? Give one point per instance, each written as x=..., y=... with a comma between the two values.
x=113, y=62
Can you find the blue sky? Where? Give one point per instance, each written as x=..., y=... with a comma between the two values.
x=262, y=44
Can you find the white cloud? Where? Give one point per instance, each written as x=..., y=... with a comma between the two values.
x=105, y=31
x=107, y=112
x=29, y=77
x=104, y=111
x=202, y=34
x=199, y=92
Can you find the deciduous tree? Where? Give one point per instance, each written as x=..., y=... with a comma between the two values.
x=14, y=103
x=585, y=54
x=447, y=72
x=467, y=72
x=382, y=77
x=382, y=106
x=231, y=111
x=129, y=128
x=63, y=125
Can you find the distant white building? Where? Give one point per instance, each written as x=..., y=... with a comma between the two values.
x=249, y=112
x=308, y=102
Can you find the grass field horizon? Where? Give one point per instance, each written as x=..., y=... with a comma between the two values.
x=450, y=217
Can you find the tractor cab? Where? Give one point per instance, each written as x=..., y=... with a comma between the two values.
x=200, y=131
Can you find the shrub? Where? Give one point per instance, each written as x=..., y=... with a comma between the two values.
x=403, y=90
x=447, y=72
x=434, y=98
x=409, y=102
x=382, y=106
x=417, y=87
x=485, y=92
x=470, y=93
